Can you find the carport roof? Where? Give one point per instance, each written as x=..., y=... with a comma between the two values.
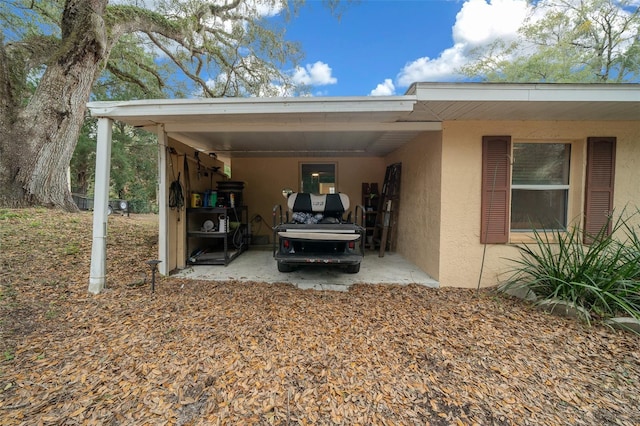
x=363, y=126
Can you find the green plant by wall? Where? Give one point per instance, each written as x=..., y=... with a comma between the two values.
x=602, y=278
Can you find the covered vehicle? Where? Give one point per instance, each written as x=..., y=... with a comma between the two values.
x=317, y=232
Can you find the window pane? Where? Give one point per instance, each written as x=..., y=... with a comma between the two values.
x=318, y=178
x=541, y=163
x=538, y=209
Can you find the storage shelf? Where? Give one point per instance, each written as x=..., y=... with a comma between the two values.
x=217, y=248
x=216, y=257
x=208, y=234
x=370, y=202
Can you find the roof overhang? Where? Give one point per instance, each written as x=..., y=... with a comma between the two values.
x=249, y=127
x=364, y=126
x=537, y=102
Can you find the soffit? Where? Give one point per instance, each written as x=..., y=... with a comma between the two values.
x=539, y=102
x=364, y=126
x=313, y=127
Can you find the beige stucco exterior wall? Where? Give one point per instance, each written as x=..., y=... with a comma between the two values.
x=266, y=177
x=439, y=220
x=419, y=217
x=460, y=250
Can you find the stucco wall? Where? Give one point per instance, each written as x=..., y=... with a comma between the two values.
x=266, y=177
x=461, y=252
x=439, y=220
x=419, y=221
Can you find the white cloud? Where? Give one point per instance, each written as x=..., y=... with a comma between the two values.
x=479, y=23
x=318, y=74
x=387, y=88
x=267, y=8
x=441, y=68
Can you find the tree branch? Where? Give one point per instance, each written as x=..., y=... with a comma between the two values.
x=35, y=50
x=124, y=19
x=153, y=72
x=127, y=77
x=6, y=92
x=180, y=64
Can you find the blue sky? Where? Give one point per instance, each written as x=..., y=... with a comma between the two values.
x=379, y=46
x=373, y=40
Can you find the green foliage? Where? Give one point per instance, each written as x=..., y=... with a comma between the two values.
x=84, y=158
x=134, y=166
x=603, y=277
x=133, y=73
x=565, y=42
x=174, y=48
x=33, y=29
x=134, y=154
x=8, y=355
x=71, y=249
x=24, y=18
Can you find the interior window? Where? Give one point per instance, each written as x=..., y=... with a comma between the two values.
x=540, y=186
x=318, y=178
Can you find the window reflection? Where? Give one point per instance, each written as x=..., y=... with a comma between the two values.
x=318, y=178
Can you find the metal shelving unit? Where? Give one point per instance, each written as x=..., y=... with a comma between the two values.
x=212, y=247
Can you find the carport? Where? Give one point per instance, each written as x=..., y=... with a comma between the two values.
x=259, y=129
x=437, y=131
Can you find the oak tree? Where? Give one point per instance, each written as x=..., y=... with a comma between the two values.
x=567, y=41
x=53, y=52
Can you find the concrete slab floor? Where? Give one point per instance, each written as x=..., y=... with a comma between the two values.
x=257, y=264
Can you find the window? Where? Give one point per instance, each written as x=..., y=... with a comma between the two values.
x=318, y=178
x=540, y=186
x=538, y=195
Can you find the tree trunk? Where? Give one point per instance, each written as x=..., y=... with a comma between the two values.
x=37, y=152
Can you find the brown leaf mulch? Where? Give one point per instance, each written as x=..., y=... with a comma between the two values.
x=254, y=353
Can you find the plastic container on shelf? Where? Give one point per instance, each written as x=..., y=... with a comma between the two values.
x=210, y=198
x=196, y=199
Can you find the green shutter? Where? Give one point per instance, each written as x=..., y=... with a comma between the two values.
x=496, y=189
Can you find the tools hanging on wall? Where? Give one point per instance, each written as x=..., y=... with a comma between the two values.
x=176, y=192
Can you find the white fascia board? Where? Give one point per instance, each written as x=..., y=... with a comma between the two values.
x=505, y=92
x=221, y=106
x=402, y=126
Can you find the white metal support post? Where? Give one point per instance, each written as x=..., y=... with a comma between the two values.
x=98, y=274
x=163, y=227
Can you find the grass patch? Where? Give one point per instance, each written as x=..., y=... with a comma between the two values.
x=71, y=249
x=7, y=291
x=9, y=214
x=8, y=355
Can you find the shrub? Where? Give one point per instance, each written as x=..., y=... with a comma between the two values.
x=602, y=278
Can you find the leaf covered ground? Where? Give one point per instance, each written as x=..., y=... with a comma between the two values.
x=254, y=353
